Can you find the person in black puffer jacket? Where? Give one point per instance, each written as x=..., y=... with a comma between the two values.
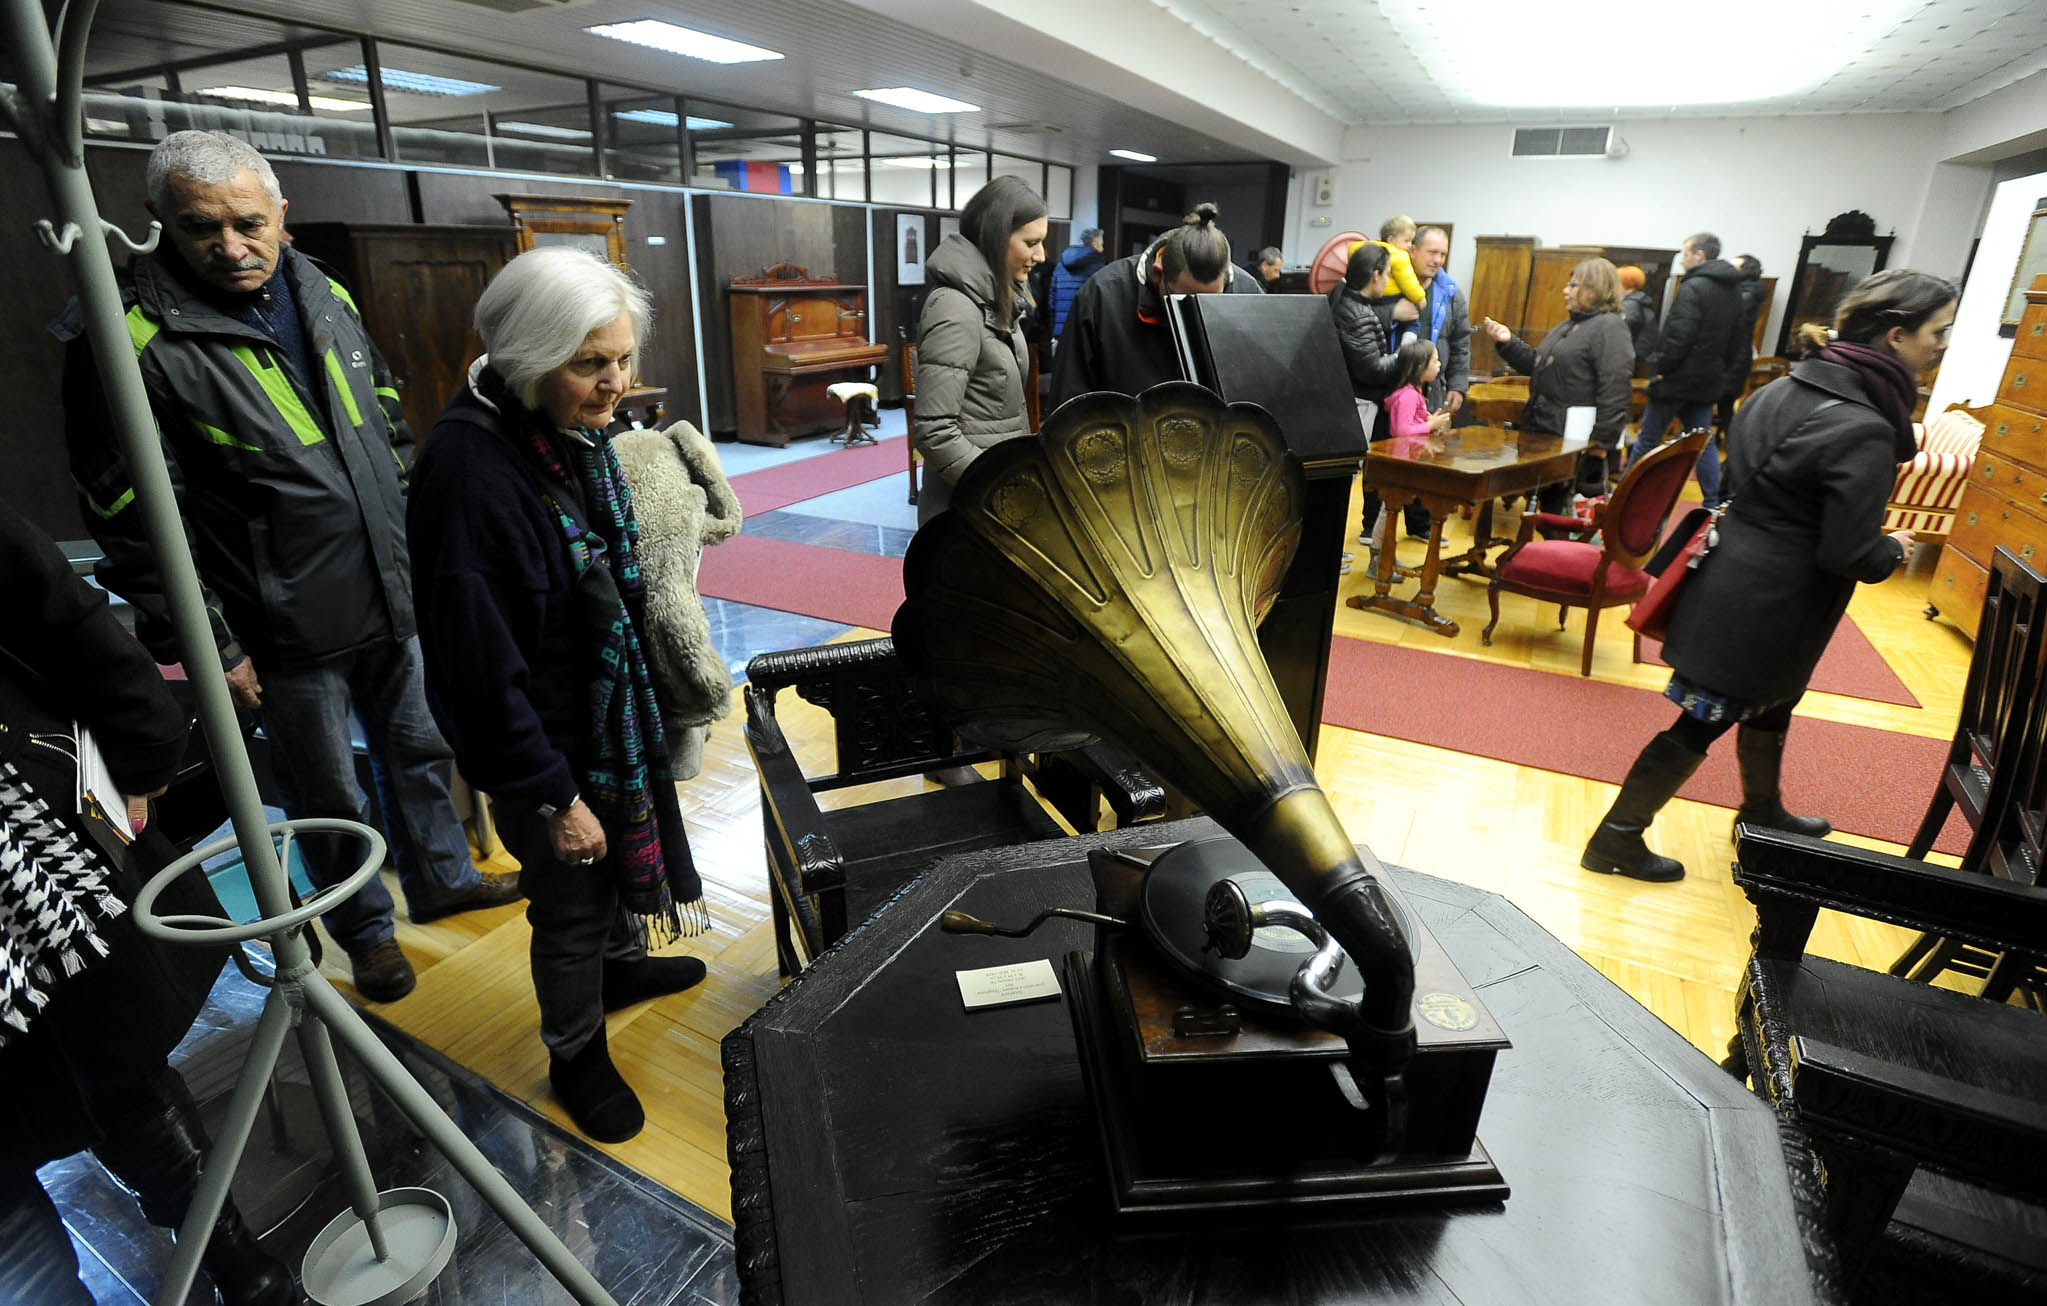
x=1811, y=460
x=1373, y=370
x=1693, y=356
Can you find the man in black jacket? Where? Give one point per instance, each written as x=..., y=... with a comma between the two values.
x=288, y=452
x=1116, y=336
x=1699, y=341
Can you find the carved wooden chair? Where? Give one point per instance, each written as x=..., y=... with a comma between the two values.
x=1993, y=773
x=832, y=868
x=906, y=346
x=1883, y=1077
x=1602, y=566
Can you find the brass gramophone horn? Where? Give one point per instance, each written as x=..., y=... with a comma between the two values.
x=1107, y=579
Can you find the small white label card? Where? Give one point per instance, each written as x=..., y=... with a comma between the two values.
x=1578, y=421
x=1006, y=986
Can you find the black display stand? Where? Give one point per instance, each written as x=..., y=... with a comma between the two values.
x=889, y=1146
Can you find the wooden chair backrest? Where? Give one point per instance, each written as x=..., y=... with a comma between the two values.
x=2003, y=719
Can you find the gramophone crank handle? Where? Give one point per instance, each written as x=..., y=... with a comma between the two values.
x=954, y=921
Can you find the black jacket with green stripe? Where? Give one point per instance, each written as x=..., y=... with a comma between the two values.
x=292, y=487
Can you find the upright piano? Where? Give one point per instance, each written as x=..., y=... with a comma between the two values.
x=792, y=336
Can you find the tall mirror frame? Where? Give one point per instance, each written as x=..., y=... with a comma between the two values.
x=1829, y=265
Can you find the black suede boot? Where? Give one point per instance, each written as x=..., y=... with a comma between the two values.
x=1761, y=754
x=1616, y=847
x=594, y=1094
x=157, y=1157
x=627, y=982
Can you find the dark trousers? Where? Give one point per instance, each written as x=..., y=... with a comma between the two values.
x=577, y=925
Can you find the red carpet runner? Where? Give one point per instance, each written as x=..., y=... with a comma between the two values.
x=1868, y=782
x=822, y=473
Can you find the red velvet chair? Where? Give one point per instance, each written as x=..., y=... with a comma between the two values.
x=1602, y=566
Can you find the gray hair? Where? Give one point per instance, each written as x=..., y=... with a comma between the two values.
x=209, y=158
x=537, y=311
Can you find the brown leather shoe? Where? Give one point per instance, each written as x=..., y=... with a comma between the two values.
x=382, y=974
x=491, y=890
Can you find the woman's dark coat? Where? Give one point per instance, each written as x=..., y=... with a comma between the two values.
x=1798, y=534
x=1372, y=366
x=64, y=657
x=1638, y=310
x=1586, y=360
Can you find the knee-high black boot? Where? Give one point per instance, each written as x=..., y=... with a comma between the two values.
x=157, y=1155
x=1616, y=847
x=1761, y=753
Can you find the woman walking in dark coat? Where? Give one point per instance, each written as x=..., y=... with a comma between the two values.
x=1586, y=361
x=526, y=562
x=1812, y=458
x=972, y=358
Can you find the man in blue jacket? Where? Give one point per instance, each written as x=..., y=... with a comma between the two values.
x=1081, y=260
x=288, y=452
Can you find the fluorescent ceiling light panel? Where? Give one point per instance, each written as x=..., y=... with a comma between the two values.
x=1134, y=156
x=686, y=41
x=922, y=161
x=397, y=79
x=544, y=129
x=1488, y=53
x=286, y=98
x=909, y=97
x=666, y=118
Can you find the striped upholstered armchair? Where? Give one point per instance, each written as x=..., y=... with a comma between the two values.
x=1931, y=484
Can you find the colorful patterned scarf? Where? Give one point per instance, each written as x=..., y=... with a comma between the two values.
x=627, y=781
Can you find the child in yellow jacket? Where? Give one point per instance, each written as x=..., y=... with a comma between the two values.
x=1397, y=235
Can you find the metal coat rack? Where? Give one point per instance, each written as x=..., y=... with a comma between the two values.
x=387, y=1246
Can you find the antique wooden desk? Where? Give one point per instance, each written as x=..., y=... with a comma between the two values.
x=888, y=1146
x=1477, y=466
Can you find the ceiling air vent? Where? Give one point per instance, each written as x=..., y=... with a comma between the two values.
x=1566, y=142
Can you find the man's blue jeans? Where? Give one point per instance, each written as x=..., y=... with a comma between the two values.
x=1690, y=415
x=306, y=712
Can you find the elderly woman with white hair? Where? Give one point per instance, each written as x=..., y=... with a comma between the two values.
x=525, y=569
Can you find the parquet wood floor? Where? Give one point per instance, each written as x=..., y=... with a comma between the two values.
x=1513, y=830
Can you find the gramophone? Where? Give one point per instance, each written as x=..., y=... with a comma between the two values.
x=1263, y=1022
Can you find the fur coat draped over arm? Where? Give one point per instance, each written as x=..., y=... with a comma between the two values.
x=683, y=504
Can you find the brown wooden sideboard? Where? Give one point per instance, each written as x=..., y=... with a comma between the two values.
x=792, y=336
x=2005, y=502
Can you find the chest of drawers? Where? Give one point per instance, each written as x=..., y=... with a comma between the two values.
x=2006, y=499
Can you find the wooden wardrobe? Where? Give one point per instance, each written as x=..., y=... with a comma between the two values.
x=2005, y=501
x=1516, y=280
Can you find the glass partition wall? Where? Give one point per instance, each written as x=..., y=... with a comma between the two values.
x=155, y=68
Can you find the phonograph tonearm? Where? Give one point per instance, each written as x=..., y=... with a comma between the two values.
x=1107, y=580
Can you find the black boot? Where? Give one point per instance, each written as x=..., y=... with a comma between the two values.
x=594, y=1094
x=1616, y=847
x=627, y=982
x=157, y=1156
x=1761, y=754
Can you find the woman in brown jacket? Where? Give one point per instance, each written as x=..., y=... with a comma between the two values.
x=1586, y=361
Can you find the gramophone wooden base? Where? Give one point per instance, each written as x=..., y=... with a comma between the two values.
x=1237, y=1139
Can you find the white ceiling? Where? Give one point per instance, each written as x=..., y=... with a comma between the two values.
x=1336, y=61
x=1397, y=61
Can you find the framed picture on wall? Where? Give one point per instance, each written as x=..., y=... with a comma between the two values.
x=948, y=225
x=2032, y=262
x=912, y=244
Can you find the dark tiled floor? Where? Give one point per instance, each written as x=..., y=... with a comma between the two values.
x=645, y=1244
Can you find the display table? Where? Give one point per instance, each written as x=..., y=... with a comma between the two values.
x=888, y=1146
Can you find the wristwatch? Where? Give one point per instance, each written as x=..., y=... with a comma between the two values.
x=551, y=810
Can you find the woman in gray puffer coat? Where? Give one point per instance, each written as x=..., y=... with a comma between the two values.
x=972, y=358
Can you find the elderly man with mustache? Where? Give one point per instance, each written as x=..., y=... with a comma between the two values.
x=289, y=452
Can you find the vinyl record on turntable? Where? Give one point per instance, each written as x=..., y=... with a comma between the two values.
x=1171, y=904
